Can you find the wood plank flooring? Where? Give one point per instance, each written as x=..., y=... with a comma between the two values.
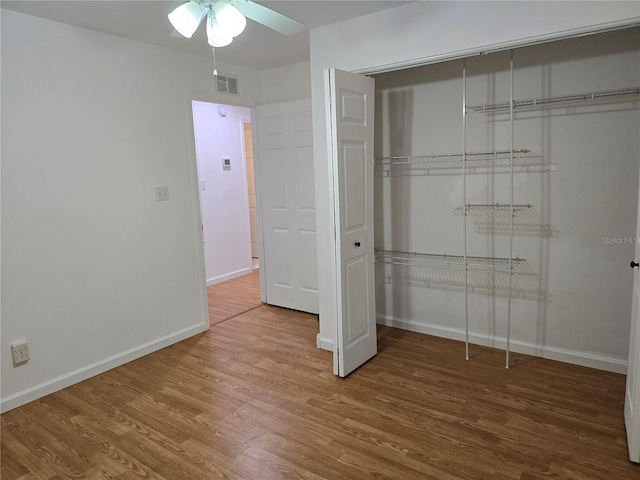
x=254, y=399
x=233, y=297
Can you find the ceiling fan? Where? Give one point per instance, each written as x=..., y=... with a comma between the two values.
x=226, y=19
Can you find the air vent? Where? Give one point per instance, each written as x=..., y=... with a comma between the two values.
x=227, y=84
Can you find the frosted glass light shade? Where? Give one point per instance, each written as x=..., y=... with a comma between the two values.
x=230, y=21
x=220, y=41
x=186, y=18
x=216, y=36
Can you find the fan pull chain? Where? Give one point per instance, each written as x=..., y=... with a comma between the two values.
x=215, y=70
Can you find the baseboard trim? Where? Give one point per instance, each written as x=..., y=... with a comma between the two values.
x=228, y=276
x=585, y=359
x=63, y=381
x=324, y=343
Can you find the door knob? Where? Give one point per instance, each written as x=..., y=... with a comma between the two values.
x=357, y=244
x=634, y=264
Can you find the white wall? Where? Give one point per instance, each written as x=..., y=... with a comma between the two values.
x=589, y=196
x=424, y=32
x=224, y=201
x=292, y=82
x=95, y=272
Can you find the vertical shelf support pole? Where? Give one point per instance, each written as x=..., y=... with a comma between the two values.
x=512, y=212
x=464, y=193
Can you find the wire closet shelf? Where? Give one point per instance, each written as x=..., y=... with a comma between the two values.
x=493, y=209
x=416, y=164
x=489, y=274
x=537, y=102
x=494, y=265
x=496, y=219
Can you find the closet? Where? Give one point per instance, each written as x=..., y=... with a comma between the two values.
x=506, y=187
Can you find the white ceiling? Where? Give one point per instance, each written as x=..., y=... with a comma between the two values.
x=258, y=47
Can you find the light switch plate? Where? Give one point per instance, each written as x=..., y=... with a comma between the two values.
x=162, y=194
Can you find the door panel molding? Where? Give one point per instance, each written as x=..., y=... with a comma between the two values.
x=287, y=205
x=350, y=100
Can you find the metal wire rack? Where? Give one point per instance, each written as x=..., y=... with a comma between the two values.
x=494, y=265
x=483, y=274
x=474, y=161
x=492, y=210
x=494, y=219
x=508, y=276
x=536, y=102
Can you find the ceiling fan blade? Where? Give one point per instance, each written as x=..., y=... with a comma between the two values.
x=267, y=17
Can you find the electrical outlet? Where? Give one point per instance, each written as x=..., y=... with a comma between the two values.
x=20, y=352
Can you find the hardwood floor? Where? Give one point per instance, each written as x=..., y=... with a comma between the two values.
x=233, y=297
x=254, y=399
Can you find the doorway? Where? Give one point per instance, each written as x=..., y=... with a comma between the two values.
x=224, y=158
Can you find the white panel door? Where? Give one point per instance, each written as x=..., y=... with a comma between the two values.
x=350, y=106
x=632, y=391
x=285, y=162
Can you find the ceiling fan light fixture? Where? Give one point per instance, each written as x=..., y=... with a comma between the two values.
x=229, y=19
x=225, y=21
x=220, y=41
x=216, y=36
x=186, y=18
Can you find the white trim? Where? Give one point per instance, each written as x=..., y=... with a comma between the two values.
x=324, y=343
x=576, y=357
x=229, y=276
x=334, y=214
x=632, y=446
x=84, y=373
x=499, y=47
x=257, y=173
x=197, y=207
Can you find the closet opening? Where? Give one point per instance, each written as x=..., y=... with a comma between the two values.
x=517, y=207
